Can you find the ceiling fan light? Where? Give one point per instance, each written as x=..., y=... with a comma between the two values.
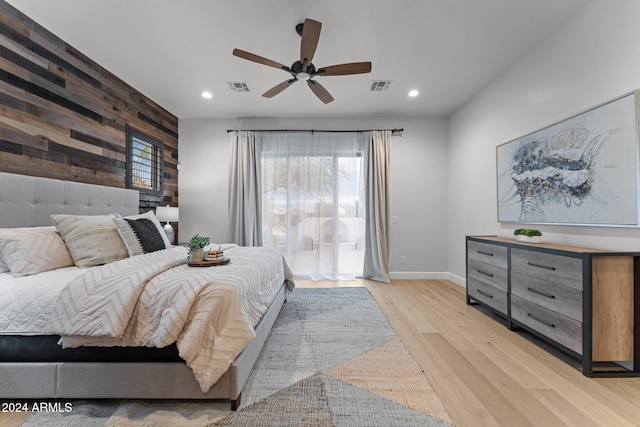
x=303, y=76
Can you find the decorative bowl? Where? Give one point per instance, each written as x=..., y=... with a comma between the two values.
x=211, y=257
x=528, y=239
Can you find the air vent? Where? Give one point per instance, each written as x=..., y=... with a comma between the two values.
x=380, y=85
x=238, y=86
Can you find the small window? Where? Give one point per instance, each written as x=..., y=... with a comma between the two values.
x=144, y=164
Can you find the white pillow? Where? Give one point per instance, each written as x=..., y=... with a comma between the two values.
x=3, y=265
x=92, y=239
x=34, y=250
x=142, y=233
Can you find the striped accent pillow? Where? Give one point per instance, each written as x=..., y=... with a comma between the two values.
x=142, y=233
x=92, y=239
x=28, y=251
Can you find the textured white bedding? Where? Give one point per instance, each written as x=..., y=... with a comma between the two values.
x=151, y=300
x=26, y=303
x=155, y=299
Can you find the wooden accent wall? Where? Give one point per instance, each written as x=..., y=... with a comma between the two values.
x=63, y=116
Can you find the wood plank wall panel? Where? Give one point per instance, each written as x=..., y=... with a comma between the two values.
x=63, y=116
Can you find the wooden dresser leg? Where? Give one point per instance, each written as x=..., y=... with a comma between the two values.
x=235, y=403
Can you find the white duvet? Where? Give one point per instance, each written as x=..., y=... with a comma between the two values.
x=156, y=299
x=26, y=303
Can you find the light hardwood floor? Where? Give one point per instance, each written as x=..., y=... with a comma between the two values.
x=484, y=374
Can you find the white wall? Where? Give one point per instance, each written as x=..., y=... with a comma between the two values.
x=418, y=183
x=593, y=58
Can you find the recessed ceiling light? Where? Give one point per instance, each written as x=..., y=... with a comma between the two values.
x=413, y=93
x=206, y=95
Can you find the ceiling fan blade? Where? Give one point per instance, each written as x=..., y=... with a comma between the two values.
x=320, y=91
x=310, y=37
x=259, y=59
x=345, y=69
x=279, y=88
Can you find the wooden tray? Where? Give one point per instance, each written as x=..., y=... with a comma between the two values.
x=220, y=261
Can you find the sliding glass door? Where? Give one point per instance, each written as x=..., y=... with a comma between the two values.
x=313, y=202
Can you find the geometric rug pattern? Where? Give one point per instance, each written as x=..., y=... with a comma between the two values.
x=332, y=359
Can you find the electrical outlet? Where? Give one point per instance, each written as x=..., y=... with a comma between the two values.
x=403, y=259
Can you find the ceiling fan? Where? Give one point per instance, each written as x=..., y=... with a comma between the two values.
x=304, y=69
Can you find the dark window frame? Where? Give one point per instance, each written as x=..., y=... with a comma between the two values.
x=154, y=195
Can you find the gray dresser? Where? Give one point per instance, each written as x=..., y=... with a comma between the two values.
x=584, y=301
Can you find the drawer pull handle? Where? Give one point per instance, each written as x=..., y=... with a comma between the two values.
x=484, y=273
x=551, y=325
x=485, y=253
x=484, y=294
x=546, y=267
x=544, y=294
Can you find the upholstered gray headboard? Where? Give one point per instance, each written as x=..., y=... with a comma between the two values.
x=27, y=201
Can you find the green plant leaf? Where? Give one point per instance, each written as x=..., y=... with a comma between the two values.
x=527, y=232
x=197, y=242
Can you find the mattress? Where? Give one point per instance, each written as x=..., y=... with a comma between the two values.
x=26, y=303
x=46, y=348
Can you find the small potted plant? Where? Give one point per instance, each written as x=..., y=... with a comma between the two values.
x=528, y=235
x=196, y=247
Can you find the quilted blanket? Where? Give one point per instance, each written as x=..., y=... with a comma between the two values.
x=155, y=299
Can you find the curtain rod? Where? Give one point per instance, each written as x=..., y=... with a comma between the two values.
x=307, y=130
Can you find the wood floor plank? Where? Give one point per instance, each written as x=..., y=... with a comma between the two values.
x=510, y=389
x=450, y=323
x=564, y=408
x=513, y=366
x=627, y=390
x=504, y=411
x=465, y=409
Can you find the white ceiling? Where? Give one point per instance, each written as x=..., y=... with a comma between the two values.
x=172, y=50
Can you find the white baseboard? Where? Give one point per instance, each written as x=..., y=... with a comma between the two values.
x=460, y=281
x=416, y=275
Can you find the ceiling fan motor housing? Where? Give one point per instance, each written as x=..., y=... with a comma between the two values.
x=297, y=67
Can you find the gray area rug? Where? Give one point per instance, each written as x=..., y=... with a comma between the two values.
x=332, y=359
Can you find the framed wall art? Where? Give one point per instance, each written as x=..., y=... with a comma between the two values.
x=582, y=170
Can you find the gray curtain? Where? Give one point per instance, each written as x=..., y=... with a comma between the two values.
x=245, y=201
x=376, y=175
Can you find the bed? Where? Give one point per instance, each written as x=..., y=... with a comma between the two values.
x=56, y=340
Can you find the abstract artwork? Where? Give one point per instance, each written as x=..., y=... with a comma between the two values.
x=582, y=170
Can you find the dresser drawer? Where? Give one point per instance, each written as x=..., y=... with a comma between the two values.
x=557, y=327
x=559, y=269
x=562, y=299
x=487, y=294
x=487, y=253
x=489, y=274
